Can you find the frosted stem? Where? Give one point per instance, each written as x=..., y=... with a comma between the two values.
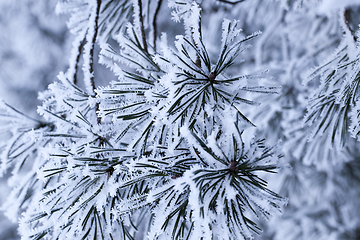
x=81, y=45
x=154, y=22
x=142, y=25
x=88, y=67
x=75, y=55
x=346, y=21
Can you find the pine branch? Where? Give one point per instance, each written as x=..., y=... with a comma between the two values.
x=142, y=29
x=155, y=22
x=346, y=21
x=80, y=48
x=93, y=41
x=89, y=48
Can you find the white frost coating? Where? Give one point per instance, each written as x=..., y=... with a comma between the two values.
x=229, y=32
x=181, y=9
x=74, y=55
x=191, y=23
x=348, y=39
x=213, y=144
x=201, y=223
x=109, y=63
x=186, y=134
x=87, y=172
x=136, y=16
x=89, y=46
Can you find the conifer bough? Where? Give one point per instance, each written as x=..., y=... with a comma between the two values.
x=168, y=150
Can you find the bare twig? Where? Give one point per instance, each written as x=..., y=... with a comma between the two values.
x=142, y=25
x=92, y=51
x=93, y=44
x=230, y=2
x=81, y=45
x=155, y=23
x=346, y=20
x=89, y=47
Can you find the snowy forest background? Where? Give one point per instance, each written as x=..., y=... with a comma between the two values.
x=305, y=60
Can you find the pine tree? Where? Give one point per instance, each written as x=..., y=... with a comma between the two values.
x=184, y=143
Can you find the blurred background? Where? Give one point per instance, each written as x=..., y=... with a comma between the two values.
x=34, y=48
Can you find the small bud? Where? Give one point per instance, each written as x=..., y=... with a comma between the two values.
x=212, y=76
x=233, y=168
x=175, y=176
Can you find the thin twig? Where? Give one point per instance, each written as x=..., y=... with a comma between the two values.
x=346, y=20
x=93, y=43
x=142, y=25
x=94, y=33
x=155, y=23
x=81, y=46
x=230, y=2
